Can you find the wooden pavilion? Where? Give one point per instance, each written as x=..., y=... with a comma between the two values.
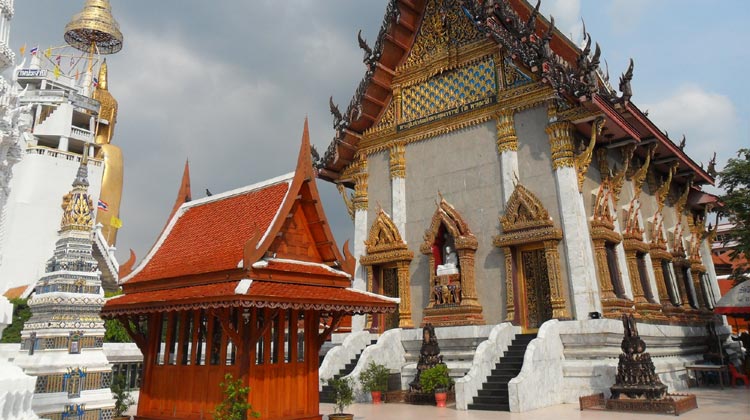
x=248, y=282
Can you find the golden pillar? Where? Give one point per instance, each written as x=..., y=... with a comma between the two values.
x=557, y=296
x=404, y=292
x=468, y=286
x=509, y=297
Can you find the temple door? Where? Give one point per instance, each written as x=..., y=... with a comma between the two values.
x=389, y=282
x=536, y=304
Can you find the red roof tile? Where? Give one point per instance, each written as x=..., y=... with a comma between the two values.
x=209, y=235
x=260, y=294
x=293, y=266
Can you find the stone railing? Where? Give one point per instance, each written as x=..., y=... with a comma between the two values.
x=388, y=351
x=81, y=134
x=339, y=356
x=74, y=157
x=541, y=377
x=487, y=355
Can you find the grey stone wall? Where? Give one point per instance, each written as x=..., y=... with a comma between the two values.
x=378, y=185
x=464, y=166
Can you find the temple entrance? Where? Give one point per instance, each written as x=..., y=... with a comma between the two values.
x=389, y=287
x=536, y=288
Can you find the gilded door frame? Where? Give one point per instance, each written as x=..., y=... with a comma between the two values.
x=384, y=247
x=527, y=223
x=523, y=290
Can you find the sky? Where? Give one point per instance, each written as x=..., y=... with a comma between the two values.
x=227, y=84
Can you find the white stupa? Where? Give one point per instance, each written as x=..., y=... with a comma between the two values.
x=62, y=341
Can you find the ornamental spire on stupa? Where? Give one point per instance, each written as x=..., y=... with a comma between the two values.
x=62, y=342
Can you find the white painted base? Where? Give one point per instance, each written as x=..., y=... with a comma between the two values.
x=339, y=356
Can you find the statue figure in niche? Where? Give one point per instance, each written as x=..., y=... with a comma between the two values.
x=449, y=257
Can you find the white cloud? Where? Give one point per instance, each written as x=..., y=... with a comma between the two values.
x=567, y=14
x=709, y=120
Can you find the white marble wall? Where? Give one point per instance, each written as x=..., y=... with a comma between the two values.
x=388, y=352
x=488, y=354
x=339, y=356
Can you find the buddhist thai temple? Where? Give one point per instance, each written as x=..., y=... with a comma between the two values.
x=496, y=177
x=248, y=282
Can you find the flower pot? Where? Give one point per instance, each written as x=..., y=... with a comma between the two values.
x=440, y=398
x=341, y=416
x=376, y=397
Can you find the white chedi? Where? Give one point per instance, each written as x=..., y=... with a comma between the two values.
x=16, y=388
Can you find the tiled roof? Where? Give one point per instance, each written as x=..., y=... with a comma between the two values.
x=15, y=292
x=208, y=235
x=262, y=294
x=294, y=266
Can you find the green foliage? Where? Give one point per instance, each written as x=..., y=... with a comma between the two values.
x=114, y=332
x=235, y=405
x=21, y=314
x=735, y=180
x=343, y=394
x=435, y=379
x=374, y=378
x=123, y=399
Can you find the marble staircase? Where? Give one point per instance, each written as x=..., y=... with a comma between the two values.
x=458, y=354
x=326, y=394
x=325, y=348
x=494, y=392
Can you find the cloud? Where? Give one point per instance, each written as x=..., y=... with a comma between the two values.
x=709, y=120
x=567, y=14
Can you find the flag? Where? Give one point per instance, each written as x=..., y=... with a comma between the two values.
x=102, y=205
x=57, y=59
x=77, y=74
x=95, y=82
x=33, y=51
x=115, y=222
x=48, y=52
x=23, y=49
x=57, y=72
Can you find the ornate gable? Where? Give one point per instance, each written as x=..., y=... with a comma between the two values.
x=524, y=211
x=384, y=242
x=446, y=215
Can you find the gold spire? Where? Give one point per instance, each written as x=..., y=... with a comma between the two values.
x=94, y=27
x=76, y=205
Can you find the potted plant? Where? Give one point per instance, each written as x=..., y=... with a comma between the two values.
x=123, y=399
x=375, y=380
x=343, y=396
x=234, y=406
x=436, y=379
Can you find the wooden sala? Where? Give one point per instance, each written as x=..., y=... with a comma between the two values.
x=248, y=282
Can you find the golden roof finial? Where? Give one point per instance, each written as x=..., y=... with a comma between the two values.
x=77, y=206
x=94, y=27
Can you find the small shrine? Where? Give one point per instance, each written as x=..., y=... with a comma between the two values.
x=249, y=283
x=637, y=386
x=62, y=342
x=429, y=357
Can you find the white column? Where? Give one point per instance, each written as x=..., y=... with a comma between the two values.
x=360, y=272
x=507, y=147
x=622, y=263
x=708, y=262
x=63, y=146
x=508, y=173
x=576, y=238
x=398, y=186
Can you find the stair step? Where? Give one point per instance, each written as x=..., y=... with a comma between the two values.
x=495, y=386
x=501, y=378
x=491, y=400
x=505, y=371
x=490, y=407
x=502, y=392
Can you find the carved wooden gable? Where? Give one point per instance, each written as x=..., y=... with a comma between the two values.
x=295, y=240
x=524, y=211
x=446, y=215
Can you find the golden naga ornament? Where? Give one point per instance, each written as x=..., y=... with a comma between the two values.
x=584, y=159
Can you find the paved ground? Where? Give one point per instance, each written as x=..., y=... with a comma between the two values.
x=713, y=404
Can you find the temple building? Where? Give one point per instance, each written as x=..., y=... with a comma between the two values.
x=62, y=341
x=65, y=112
x=498, y=176
x=248, y=282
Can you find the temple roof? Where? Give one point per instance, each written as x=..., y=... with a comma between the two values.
x=533, y=43
x=246, y=293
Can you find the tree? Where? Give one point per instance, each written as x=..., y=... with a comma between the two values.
x=735, y=180
x=21, y=314
x=114, y=332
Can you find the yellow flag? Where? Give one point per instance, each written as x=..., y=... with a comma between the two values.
x=57, y=72
x=115, y=222
x=23, y=50
x=48, y=52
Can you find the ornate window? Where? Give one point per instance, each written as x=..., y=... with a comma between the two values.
x=451, y=248
x=74, y=344
x=385, y=247
x=73, y=380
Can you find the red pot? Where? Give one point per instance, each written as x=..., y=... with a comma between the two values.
x=440, y=398
x=376, y=397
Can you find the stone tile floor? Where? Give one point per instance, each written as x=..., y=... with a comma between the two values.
x=713, y=404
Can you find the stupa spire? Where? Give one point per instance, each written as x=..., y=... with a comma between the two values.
x=77, y=206
x=94, y=29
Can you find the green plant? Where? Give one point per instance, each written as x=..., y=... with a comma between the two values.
x=114, y=332
x=435, y=379
x=735, y=180
x=235, y=405
x=343, y=394
x=21, y=314
x=123, y=399
x=374, y=378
